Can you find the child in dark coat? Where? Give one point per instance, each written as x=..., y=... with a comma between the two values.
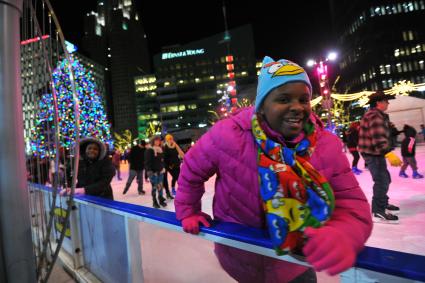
x=408, y=151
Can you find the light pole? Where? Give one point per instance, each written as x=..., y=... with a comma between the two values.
x=321, y=70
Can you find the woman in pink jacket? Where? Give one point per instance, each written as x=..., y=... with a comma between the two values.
x=278, y=169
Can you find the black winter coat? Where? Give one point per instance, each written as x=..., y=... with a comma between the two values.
x=352, y=138
x=153, y=163
x=136, y=158
x=409, y=132
x=171, y=157
x=95, y=176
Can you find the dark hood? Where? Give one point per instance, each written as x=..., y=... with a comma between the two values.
x=85, y=141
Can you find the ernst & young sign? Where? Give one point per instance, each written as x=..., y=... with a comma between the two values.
x=188, y=52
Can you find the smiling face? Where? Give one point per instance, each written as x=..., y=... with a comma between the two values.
x=286, y=109
x=93, y=151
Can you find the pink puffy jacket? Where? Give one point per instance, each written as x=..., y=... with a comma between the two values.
x=228, y=150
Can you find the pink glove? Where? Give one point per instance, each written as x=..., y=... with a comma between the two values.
x=191, y=223
x=328, y=249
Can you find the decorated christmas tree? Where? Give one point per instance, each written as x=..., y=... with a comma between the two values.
x=93, y=122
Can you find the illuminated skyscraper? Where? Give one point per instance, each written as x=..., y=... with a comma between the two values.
x=114, y=37
x=382, y=43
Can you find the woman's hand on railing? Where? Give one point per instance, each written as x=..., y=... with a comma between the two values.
x=77, y=191
x=328, y=249
x=191, y=223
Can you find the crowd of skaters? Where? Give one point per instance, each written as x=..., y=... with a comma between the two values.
x=153, y=162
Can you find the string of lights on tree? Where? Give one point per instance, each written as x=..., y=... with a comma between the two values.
x=93, y=122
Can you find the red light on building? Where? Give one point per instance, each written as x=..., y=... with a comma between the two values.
x=325, y=91
x=222, y=109
x=322, y=69
x=31, y=40
x=231, y=75
x=234, y=100
x=232, y=92
x=232, y=83
x=230, y=67
x=229, y=58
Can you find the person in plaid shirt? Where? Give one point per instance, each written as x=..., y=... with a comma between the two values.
x=375, y=146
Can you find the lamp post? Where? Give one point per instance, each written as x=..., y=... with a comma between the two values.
x=321, y=70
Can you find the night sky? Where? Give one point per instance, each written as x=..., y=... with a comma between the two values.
x=295, y=30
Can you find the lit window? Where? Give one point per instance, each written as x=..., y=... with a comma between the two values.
x=172, y=108
x=396, y=52
x=388, y=69
x=415, y=65
x=384, y=84
x=394, y=9
x=404, y=67
x=398, y=65
x=405, y=36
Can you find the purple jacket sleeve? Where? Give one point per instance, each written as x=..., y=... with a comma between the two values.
x=199, y=164
x=352, y=214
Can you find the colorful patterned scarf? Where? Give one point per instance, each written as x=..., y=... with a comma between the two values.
x=295, y=195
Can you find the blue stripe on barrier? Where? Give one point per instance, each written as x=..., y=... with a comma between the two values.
x=395, y=263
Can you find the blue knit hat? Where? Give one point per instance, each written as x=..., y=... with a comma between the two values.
x=274, y=74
